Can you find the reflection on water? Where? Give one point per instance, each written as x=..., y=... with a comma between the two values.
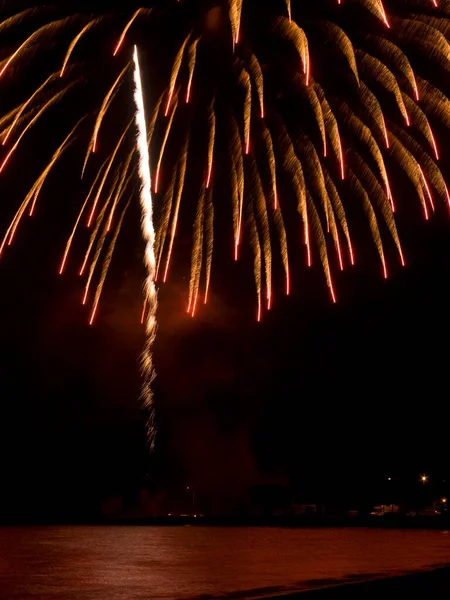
x=155, y=563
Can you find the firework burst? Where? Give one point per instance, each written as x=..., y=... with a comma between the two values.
x=314, y=114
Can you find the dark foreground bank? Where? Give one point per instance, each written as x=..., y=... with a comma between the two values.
x=429, y=585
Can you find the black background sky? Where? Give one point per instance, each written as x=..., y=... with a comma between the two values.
x=322, y=394
x=329, y=399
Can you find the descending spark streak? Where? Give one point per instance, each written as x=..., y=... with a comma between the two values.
x=175, y=70
x=427, y=187
x=181, y=179
x=41, y=180
x=235, y=207
x=72, y=235
x=122, y=186
x=256, y=72
x=257, y=263
x=105, y=176
x=74, y=42
x=197, y=253
x=235, y=19
x=95, y=231
x=313, y=100
x=260, y=210
x=33, y=194
x=163, y=146
x=10, y=116
x=7, y=237
x=371, y=218
x=294, y=167
x=236, y=154
x=148, y=233
x=33, y=38
x=383, y=14
x=209, y=242
x=272, y=165
x=77, y=222
x=279, y=224
x=341, y=158
x=339, y=212
x=106, y=264
x=164, y=220
x=212, y=134
x=291, y=31
x=433, y=141
x=16, y=19
x=375, y=191
x=46, y=106
x=332, y=129
x=245, y=78
x=428, y=165
x=238, y=22
x=152, y=124
x=192, y=60
x=124, y=32
x=101, y=113
x=317, y=230
x=98, y=250
x=23, y=107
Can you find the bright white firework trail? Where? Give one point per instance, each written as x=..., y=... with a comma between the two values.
x=148, y=233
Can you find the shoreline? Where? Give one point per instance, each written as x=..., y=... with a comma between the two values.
x=388, y=521
x=429, y=584
x=370, y=522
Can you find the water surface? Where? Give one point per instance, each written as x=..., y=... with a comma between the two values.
x=160, y=563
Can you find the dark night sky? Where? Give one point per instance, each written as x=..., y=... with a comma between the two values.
x=324, y=397
x=315, y=392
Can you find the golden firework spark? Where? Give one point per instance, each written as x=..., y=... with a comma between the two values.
x=381, y=120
